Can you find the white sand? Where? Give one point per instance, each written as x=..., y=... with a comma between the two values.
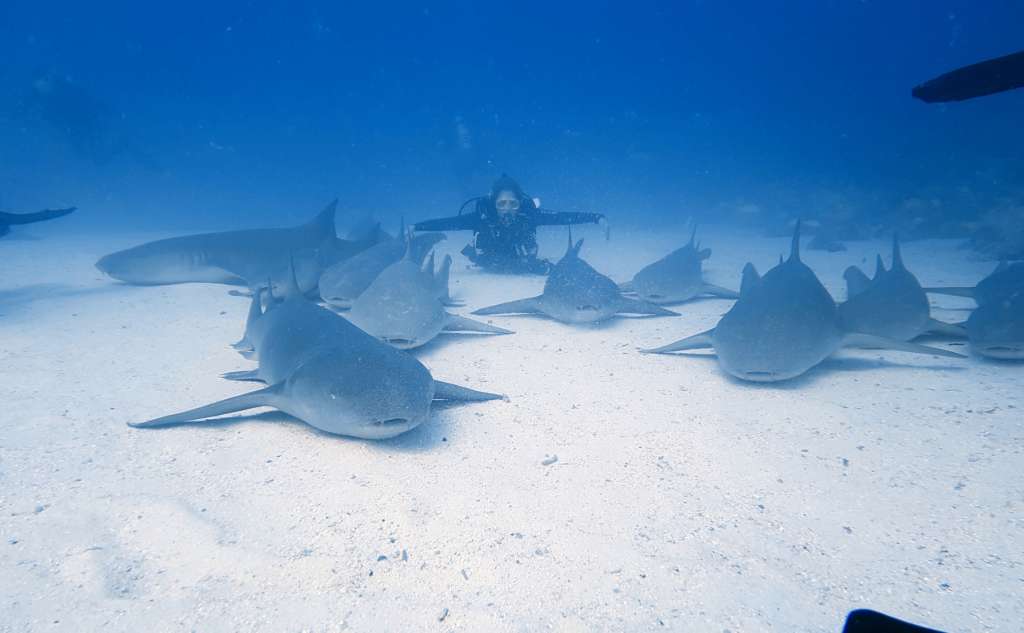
x=681, y=499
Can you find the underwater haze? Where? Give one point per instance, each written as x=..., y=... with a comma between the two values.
x=206, y=114
x=704, y=315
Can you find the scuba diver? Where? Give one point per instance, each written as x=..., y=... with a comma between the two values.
x=504, y=226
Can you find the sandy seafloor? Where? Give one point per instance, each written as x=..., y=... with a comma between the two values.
x=681, y=499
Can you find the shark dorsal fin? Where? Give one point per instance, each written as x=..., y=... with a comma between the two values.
x=879, y=266
x=750, y=279
x=271, y=299
x=323, y=223
x=794, y=246
x=897, y=256
x=693, y=236
x=856, y=281
x=293, y=282
x=407, y=236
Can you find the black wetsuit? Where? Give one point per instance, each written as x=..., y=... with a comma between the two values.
x=506, y=247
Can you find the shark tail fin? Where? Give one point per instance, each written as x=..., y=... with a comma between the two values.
x=870, y=341
x=856, y=281
x=954, y=291
x=268, y=397
x=521, y=306
x=458, y=323
x=697, y=341
x=946, y=329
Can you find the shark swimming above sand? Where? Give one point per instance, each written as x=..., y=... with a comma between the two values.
x=782, y=325
x=247, y=257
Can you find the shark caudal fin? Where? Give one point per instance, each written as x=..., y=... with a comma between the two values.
x=697, y=341
x=870, y=341
x=946, y=329
x=458, y=323
x=521, y=306
x=269, y=397
x=448, y=391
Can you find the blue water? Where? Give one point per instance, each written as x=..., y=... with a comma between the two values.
x=225, y=114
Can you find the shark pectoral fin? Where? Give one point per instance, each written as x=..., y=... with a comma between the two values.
x=946, y=329
x=522, y=306
x=248, y=375
x=448, y=391
x=268, y=397
x=636, y=306
x=954, y=291
x=719, y=291
x=697, y=341
x=457, y=323
x=870, y=341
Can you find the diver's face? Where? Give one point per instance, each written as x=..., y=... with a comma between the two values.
x=507, y=206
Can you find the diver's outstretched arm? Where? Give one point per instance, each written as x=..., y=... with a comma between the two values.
x=562, y=218
x=466, y=222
